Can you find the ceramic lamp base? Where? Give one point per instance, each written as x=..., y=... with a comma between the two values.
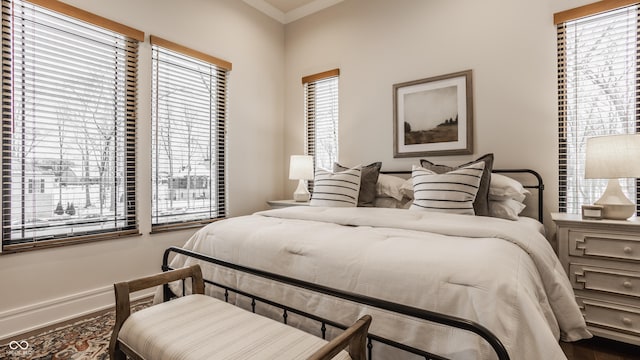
x=616, y=205
x=301, y=194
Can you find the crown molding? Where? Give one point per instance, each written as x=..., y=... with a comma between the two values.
x=293, y=15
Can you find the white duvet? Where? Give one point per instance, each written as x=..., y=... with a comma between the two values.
x=496, y=272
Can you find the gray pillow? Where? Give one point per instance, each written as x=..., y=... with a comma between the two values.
x=368, y=180
x=481, y=203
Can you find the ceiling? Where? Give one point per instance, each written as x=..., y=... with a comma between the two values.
x=286, y=11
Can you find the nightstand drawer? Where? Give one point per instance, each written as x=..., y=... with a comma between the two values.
x=607, y=280
x=605, y=315
x=604, y=245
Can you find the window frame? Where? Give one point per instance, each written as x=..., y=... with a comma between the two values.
x=560, y=20
x=131, y=37
x=219, y=122
x=309, y=82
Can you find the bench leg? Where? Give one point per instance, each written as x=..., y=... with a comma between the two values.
x=116, y=353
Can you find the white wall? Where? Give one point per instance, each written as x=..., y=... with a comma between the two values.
x=44, y=286
x=509, y=45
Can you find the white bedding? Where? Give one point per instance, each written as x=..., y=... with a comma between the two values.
x=496, y=272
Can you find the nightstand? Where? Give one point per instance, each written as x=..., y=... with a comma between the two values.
x=279, y=204
x=602, y=260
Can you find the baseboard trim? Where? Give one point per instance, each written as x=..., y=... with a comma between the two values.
x=45, y=314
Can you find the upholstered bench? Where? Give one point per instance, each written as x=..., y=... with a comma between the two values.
x=202, y=327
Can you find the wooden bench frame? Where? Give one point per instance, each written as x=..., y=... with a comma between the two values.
x=353, y=338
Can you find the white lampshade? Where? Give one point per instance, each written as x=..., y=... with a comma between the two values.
x=301, y=167
x=613, y=157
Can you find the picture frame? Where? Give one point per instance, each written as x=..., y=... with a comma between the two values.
x=433, y=116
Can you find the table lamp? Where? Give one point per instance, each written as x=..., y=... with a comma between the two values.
x=613, y=157
x=301, y=169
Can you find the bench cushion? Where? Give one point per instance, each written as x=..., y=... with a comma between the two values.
x=202, y=327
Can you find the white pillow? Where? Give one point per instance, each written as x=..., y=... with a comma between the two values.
x=389, y=186
x=339, y=189
x=505, y=209
x=389, y=202
x=503, y=188
x=451, y=192
x=407, y=189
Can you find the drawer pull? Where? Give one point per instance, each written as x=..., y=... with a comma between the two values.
x=626, y=321
x=627, y=250
x=627, y=284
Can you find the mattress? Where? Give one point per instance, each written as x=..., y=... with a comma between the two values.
x=502, y=274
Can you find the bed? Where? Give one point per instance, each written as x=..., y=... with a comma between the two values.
x=502, y=274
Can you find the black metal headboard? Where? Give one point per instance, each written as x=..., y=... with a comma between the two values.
x=537, y=185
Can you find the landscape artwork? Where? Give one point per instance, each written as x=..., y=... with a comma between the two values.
x=433, y=116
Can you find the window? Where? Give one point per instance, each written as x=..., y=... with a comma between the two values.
x=189, y=117
x=69, y=112
x=321, y=114
x=597, y=94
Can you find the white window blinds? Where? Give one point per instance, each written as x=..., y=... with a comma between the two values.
x=597, y=95
x=189, y=116
x=321, y=114
x=68, y=127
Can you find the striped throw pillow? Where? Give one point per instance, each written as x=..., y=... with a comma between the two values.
x=338, y=189
x=452, y=192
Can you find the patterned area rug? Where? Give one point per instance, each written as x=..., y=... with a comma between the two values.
x=86, y=339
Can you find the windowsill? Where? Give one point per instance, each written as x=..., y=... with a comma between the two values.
x=49, y=244
x=156, y=229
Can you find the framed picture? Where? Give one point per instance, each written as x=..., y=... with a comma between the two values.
x=434, y=116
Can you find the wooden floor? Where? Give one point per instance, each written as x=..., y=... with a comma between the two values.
x=600, y=349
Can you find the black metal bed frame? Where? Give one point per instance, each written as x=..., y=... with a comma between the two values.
x=414, y=312
x=539, y=186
